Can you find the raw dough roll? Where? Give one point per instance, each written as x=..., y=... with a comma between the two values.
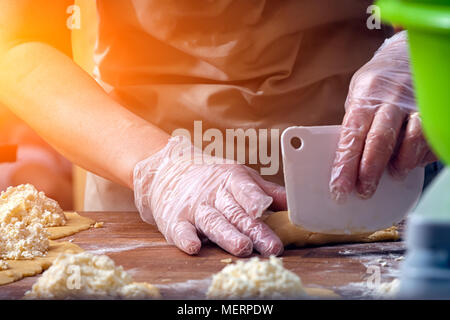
x=290, y=234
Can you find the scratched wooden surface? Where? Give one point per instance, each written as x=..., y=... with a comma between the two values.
x=143, y=252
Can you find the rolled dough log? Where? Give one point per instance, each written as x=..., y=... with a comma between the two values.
x=290, y=234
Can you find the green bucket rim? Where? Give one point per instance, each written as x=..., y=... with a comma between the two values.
x=416, y=14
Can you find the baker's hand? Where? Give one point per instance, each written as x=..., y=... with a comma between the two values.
x=381, y=128
x=189, y=194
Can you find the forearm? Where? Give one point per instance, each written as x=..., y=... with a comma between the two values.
x=71, y=112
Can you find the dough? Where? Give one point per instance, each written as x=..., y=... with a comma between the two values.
x=255, y=278
x=75, y=223
x=27, y=268
x=19, y=241
x=98, y=225
x=290, y=234
x=28, y=219
x=88, y=276
x=322, y=293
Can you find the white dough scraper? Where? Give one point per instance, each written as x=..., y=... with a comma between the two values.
x=308, y=155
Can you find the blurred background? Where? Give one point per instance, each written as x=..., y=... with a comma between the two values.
x=36, y=162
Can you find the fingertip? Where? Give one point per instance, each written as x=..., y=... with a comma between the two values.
x=368, y=180
x=260, y=206
x=265, y=204
x=243, y=248
x=279, y=199
x=191, y=247
x=365, y=190
x=338, y=195
x=274, y=248
x=398, y=174
x=249, y=195
x=185, y=237
x=340, y=186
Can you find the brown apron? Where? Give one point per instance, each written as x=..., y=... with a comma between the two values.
x=229, y=63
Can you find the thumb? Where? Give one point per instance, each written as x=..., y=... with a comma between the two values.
x=275, y=191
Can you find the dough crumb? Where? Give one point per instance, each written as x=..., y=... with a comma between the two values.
x=98, y=225
x=88, y=276
x=3, y=265
x=255, y=278
x=228, y=260
x=387, y=290
x=382, y=262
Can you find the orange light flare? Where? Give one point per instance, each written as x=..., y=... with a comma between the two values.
x=8, y=153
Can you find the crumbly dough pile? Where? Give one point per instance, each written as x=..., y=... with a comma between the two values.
x=25, y=214
x=255, y=278
x=88, y=276
x=21, y=241
x=25, y=203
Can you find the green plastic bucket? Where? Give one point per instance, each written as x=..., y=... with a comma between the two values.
x=428, y=25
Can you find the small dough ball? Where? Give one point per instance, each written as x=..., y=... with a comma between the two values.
x=88, y=276
x=255, y=278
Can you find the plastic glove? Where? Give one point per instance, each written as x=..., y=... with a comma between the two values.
x=381, y=127
x=189, y=194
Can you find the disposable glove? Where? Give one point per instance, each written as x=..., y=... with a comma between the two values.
x=381, y=128
x=190, y=195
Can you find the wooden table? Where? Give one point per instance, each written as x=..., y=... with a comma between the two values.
x=144, y=253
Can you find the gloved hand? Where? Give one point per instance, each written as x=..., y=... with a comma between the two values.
x=381, y=127
x=189, y=194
